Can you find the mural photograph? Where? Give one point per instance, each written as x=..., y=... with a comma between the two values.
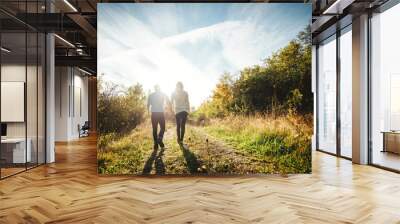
x=204, y=89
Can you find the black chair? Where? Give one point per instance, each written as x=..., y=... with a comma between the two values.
x=84, y=130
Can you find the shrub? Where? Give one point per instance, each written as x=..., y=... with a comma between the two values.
x=119, y=110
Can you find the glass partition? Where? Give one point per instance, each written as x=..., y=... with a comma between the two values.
x=31, y=97
x=346, y=92
x=385, y=89
x=14, y=153
x=22, y=78
x=326, y=104
x=41, y=97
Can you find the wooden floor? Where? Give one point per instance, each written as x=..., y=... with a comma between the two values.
x=5, y=172
x=70, y=191
x=387, y=159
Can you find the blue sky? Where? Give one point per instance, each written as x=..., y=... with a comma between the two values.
x=161, y=44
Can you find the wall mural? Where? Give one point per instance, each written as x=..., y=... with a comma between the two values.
x=204, y=89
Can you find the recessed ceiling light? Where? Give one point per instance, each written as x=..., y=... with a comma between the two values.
x=70, y=5
x=84, y=71
x=5, y=50
x=337, y=7
x=64, y=40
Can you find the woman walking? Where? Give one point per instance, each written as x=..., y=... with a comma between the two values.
x=180, y=101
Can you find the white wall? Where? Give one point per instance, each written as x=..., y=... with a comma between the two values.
x=62, y=82
x=10, y=73
x=33, y=127
x=71, y=87
x=80, y=94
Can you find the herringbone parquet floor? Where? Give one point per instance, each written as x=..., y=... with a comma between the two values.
x=70, y=191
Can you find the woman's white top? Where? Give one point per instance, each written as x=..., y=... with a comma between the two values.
x=180, y=100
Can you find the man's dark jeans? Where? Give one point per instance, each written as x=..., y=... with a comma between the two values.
x=181, y=118
x=158, y=118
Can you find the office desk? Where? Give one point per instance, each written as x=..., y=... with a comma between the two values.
x=13, y=150
x=391, y=141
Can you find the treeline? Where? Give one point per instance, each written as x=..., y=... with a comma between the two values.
x=281, y=84
x=119, y=109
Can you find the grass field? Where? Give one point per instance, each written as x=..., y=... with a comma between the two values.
x=234, y=145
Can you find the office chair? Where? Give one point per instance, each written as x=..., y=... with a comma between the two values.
x=84, y=130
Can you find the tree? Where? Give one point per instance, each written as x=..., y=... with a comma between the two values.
x=283, y=82
x=120, y=110
x=222, y=96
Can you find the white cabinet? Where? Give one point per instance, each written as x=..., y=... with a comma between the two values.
x=19, y=155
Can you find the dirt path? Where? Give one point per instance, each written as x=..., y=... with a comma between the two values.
x=218, y=148
x=200, y=154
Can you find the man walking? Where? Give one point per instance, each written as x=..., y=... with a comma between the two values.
x=156, y=103
x=180, y=101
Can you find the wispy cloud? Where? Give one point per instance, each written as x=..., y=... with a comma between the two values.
x=189, y=42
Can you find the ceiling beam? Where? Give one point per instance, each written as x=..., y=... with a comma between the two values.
x=78, y=61
x=84, y=24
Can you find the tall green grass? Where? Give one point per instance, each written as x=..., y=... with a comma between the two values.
x=255, y=144
x=123, y=154
x=284, y=140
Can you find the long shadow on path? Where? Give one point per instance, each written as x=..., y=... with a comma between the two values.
x=149, y=163
x=191, y=159
x=158, y=163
